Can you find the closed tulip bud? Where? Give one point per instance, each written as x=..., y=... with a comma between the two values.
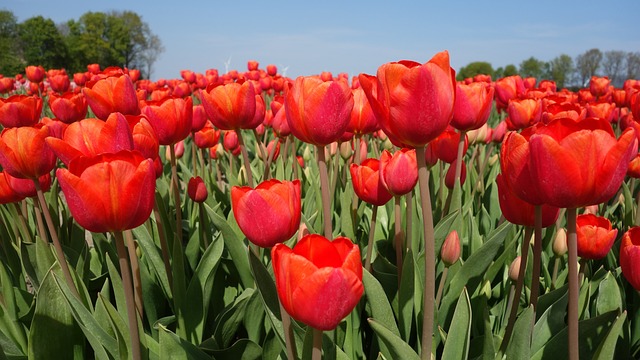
x=450, y=251
x=559, y=245
x=197, y=189
x=178, y=148
x=230, y=140
x=472, y=106
x=514, y=269
x=630, y=256
x=319, y=282
x=595, y=236
x=591, y=209
x=450, y=177
x=346, y=150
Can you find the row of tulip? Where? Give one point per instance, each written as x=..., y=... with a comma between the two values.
x=187, y=283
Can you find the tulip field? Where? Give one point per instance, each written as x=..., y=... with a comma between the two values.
x=247, y=215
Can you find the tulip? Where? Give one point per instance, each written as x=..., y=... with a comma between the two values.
x=58, y=80
x=630, y=257
x=472, y=106
x=367, y=184
x=197, y=189
x=559, y=245
x=363, y=120
x=318, y=112
x=520, y=212
x=145, y=139
x=319, y=281
x=170, y=118
x=595, y=236
x=109, y=192
x=413, y=102
x=445, y=146
x=450, y=251
x=523, y=113
x=232, y=106
x=268, y=214
x=68, y=107
x=112, y=94
x=399, y=172
x=450, y=176
x=34, y=73
x=24, y=152
x=7, y=194
x=20, y=110
x=599, y=86
x=207, y=136
x=508, y=88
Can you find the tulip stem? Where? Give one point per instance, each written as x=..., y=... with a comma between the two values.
x=429, y=255
x=324, y=187
x=135, y=270
x=245, y=159
x=289, y=339
x=267, y=165
x=125, y=271
x=23, y=225
x=372, y=231
x=56, y=242
x=164, y=246
x=41, y=229
x=398, y=237
x=176, y=192
x=574, y=287
x=443, y=279
x=194, y=155
x=201, y=220
x=409, y=217
x=518, y=291
x=637, y=222
x=537, y=255
x=294, y=158
x=316, y=352
x=458, y=173
x=554, y=276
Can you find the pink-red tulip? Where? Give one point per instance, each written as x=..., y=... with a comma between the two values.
x=595, y=236
x=366, y=182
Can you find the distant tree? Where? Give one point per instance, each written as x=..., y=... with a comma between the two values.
x=587, y=65
x=613, y=66
x=150, y=55
x=510, y=70
x=474, y=68
x=42, y=43
x=533, y=67
x=11, y=62
x=633, y=65
x=560, y=70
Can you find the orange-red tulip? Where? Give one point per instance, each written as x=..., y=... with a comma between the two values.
x=366, y=182
x=109, y=192
x=413, y=101
x=399, y=172
x=207, y=136
x=318, y=112
x=473, y=105
x=595, y=236
x=68, y=107
x=445, y=146
x=630, y=256
x=170, y=118
x=363, y=120
x=24, y=152
x=599, y=86
x=520, y=212
x=319, y=281
x=20, y=110
x=7, y=194
x=523, y=113
x=112, y=94
x=508, y=88
x=268, y=214
x=34, y=73
x=232, y=106
x=145, y=139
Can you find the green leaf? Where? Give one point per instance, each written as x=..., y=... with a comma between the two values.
x=457, y=343
x=235, y=247
x=609, y=297
x=173, y=347
x=607, y=348
x=241, y=349
x=228, y=322
x=380, y=308
x=406, y=296
x=179, y=288
x=550, y=323
x=398, y=349
x=519, y=347
x=153, y=256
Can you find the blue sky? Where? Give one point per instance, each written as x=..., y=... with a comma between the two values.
x=353, y=37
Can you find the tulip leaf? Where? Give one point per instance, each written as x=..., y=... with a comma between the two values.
x=457, y=343
x=609, y=297
x=397, y=348
x=551, y=322
x=229, y=320
x=154, y=259
x=53, y=328
x=380, y=308
x=241, y=349
x=444, y=227
x=590, y=334
x=406, y=296
x=235, y=247
x=628, y=206
x=473, y=270
x=607, y=348
x=118, y=289
x=519, y=347
x=173, y=347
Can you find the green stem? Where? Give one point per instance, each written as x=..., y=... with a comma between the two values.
x=429, y=256
x=316, y=352
x=399, y=246
x=372, y=230
x=458, y=173
x=574, y=286
x=164, y=246
x=409, y=216
x=289, y=339
x=554, y=276
x=537, y=255
x=176, y=192
x=443, y=280
x=135, y=270
x=245, y=159
x=324, y=187
x=134, y=336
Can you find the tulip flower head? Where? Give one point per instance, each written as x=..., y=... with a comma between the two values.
x=595, y=236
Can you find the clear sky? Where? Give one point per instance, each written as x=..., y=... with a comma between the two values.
x=308, y=37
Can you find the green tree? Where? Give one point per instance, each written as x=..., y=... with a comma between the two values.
x=587, y=65
x=508, y=70
x=42, y=43
x=473, y=69
x=11, y=62
x=560, y=70
x=533, y=67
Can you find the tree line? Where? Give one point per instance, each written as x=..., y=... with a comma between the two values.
x=565, y=70
x=116, y=38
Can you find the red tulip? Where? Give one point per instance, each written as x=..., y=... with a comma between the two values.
x=170, y=118
x=199, y=118
x=34, y=73
x=109, y=192
x=318, y=112
x=563, y=110
x=112, y=94
x=630, y=256
x=450, y=251
x=319, y=281
x=90, y=137
x=232, y=106
x=145, y=139
x=197, y=189
x=450, y=176
x=7, y=85
x=472, y=106
x=508, y=88
x=68, y=107
x=26, y=187
x=58, y=80
x=24, y=152
x=520, y=212
x=268, y=214
x=207, y=136
x=20, y=110
x=599, y=86
x=413, y=102
x=363, y=120
x=7, y=194
x=399, y=172
x=445, y=146
x=366, y=182
x=595, y=236
x=523, y=113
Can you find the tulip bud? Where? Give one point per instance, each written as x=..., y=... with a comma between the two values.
x=450, y=251
x=197, y=189
x=593, y=209
x=306, y=154
x=560, y=242
x=345, y=150
x=514, y=269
